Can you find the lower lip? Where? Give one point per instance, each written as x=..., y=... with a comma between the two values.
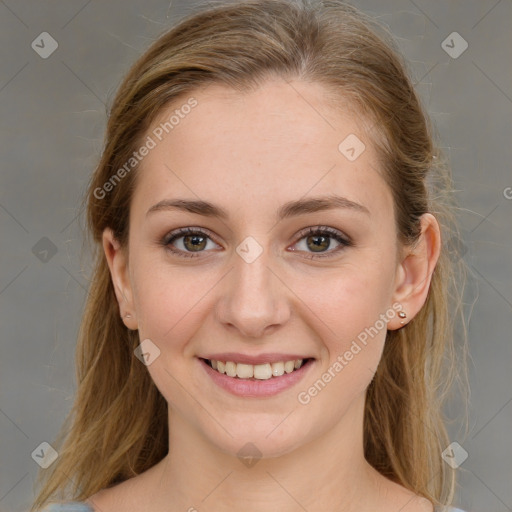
x=254, y=387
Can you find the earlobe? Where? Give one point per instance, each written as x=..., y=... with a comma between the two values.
x=414, y=273
x=117, y=262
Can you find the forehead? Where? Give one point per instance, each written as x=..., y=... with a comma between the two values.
x=256, y=150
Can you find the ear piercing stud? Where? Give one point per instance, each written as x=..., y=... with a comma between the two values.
x=402, y=314
x=127, y=315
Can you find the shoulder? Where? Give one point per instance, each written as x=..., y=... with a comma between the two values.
x=129, y=495
x=112, y=499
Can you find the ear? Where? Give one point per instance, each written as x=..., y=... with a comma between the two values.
x=117, y=259
x=414, y=273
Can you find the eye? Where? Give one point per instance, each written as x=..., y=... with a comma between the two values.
x=194, y=240
x=318, y=239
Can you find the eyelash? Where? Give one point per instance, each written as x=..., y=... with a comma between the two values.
x=317, y=230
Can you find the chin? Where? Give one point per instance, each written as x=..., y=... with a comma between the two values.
x=261, y=437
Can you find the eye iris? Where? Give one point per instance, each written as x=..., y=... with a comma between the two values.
x=195, y=246
x=324, y=244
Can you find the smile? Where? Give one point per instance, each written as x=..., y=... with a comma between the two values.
x=260, y=380
x=263, y=371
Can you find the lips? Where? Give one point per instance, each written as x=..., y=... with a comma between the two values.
x=266, y=385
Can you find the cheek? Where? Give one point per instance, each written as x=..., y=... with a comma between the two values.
x=351, y=321
x=347, y=301
x=169, y=310
x=162, y=297
x=172, y=302
x=351, y=307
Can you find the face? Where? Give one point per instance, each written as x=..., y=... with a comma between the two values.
x=271, y=281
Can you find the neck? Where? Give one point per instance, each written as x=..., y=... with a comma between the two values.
x=196, y=475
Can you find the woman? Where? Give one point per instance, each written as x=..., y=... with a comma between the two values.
x=269, y=309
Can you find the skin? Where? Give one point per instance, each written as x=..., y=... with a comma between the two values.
x=251, y=153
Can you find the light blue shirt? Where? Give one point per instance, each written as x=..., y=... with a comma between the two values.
x=79, y=506
x=70, y=506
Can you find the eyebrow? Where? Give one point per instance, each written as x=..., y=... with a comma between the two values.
x=289, y=209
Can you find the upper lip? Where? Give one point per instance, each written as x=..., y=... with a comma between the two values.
x=248, y=359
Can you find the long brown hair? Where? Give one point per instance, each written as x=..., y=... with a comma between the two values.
x=117, y=427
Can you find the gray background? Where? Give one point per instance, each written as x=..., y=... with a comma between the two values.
x=53, y=117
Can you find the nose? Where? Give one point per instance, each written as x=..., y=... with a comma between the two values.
x=253, y=300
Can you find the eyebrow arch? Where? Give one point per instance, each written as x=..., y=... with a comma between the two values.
x=290, y=209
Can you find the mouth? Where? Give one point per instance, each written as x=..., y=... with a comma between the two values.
x=257, y=372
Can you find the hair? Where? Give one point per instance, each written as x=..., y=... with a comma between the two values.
x=117, y=427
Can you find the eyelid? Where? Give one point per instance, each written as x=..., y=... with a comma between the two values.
x=181, y=232
x=336, y=233
x=189, y=230
x=344, y=241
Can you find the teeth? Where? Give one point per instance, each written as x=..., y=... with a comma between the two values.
x=277, y=369
x=230, y=369
x=289, y=366
x=258, y=371
x=244, y=371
